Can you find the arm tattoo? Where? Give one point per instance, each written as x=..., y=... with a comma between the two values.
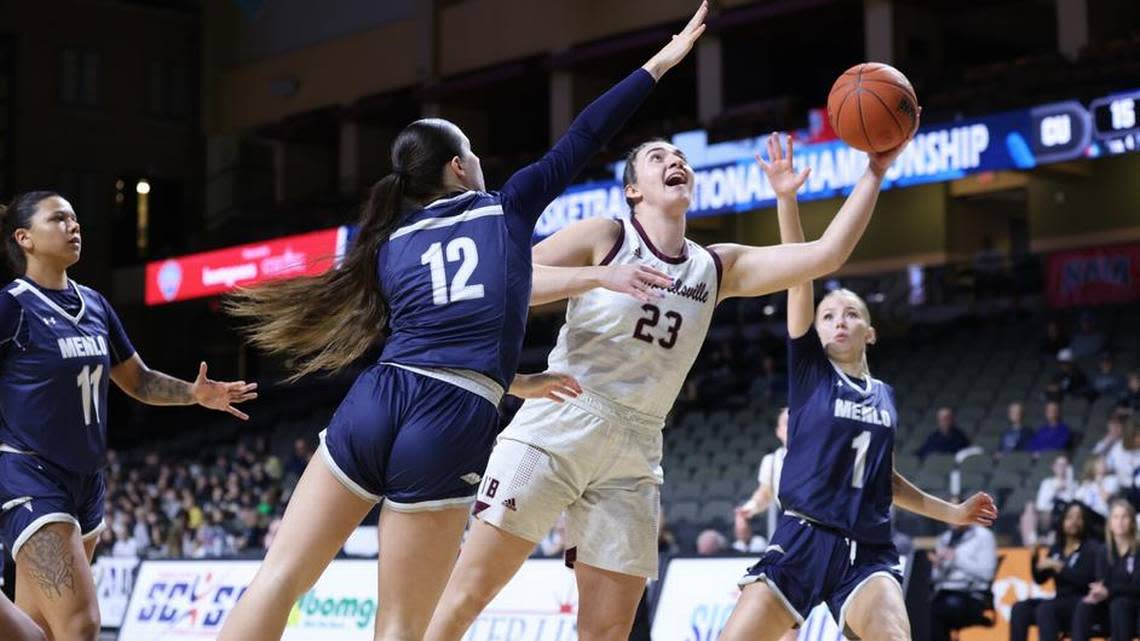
x=157, y=388
x=48, y=558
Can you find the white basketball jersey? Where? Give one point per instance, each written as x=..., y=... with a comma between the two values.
x=638, y=354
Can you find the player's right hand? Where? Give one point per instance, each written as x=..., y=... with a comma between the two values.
x=640, y=281
x=679, y=46
x=552, y=385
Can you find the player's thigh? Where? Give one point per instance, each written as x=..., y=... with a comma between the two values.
x=760, y=615
x=53, y=580
x=321, y=514
x=877, y=611
x=607, y=602
x=418, y=550
x=15, y=625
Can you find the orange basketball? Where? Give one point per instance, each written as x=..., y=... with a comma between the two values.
x=872, y=107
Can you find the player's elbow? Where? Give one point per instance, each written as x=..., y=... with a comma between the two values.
x=826, y=257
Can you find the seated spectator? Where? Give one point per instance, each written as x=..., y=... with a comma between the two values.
x=1068, y=380
x=1016, y=437
x=1124, y=458
x=1088, y=341
x=666, y=540
x=1114, y=598
x=771, y=385
x=1107, y=381
x=1097, y=486
x=1114, y=429
x=947, y=439
x=768, y=479
x=1054, y=339
x=1130, y=400
x=1059, y=487
x=1053, y=434
x=710, y=543
x=962, y=570
x=301, y=455
x=1071, y=563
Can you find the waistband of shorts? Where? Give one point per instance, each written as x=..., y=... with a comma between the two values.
x=472, y=381
x=4, y=447
x=605, y=408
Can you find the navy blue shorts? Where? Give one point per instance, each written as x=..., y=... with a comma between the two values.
x=807, y=564
x=417, y=442
x=35, y=492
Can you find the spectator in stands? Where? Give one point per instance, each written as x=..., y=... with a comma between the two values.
x=962, y=570
x=1053, y=434
x=947, y=439
x=1068, y=380
x=554, y=544
x=1059, y=487
x=1130, y=400
x=1114, y=430
x=1097, y=486
x=768, y=479
x=1108, y=382
x=1054, y=339
x=125, y=546
x=710, y=543
x=1112, y=600
x=1071, y=563
x=302, y=452
x=1017, y=436
x=1088, y=341
x=771, y=385
x=666, y=541
x=1124, y=458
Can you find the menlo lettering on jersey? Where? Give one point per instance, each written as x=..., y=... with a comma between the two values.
x=860, y=412
x=82, y=346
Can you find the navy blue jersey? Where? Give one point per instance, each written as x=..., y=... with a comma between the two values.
x=457, y=273
x=841, y=436
x=55, y=366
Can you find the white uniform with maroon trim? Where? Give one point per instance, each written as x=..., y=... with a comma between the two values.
x=598, y=457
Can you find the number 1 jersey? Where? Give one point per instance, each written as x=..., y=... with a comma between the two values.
x=841, y=436
x=55, y=367
x=638, y=354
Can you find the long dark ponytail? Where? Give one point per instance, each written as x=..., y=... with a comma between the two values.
x=325, y=322
x=17, y=214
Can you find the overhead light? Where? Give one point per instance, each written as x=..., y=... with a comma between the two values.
x=143, y=187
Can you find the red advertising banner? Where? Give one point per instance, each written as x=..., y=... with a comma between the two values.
x=215, y=272
x=1094, y=276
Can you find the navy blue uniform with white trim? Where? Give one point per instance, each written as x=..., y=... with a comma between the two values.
x=56, y=354
x=418, y=426
x=836, y=487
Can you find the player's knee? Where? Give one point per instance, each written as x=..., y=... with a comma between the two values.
x=604, y=630
x=82, y=626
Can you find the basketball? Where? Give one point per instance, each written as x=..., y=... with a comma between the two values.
x=872, y=107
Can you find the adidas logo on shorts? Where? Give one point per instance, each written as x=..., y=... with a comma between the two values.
x=510, y=504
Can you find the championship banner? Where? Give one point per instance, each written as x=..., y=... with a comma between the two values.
x=1013, y=583
x=698, y=596
x=114, y=578
x=1094, y=276
x=215, y=272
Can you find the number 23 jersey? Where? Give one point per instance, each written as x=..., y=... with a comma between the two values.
x=841, y=435
x=55, y=368
x=638, y=354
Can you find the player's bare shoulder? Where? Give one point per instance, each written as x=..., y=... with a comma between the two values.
x=583, y=243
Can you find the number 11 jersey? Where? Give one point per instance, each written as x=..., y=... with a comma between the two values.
x=638, y=354
x=841, y=436
x=55, y=367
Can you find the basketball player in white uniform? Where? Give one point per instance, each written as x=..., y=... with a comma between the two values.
x=598, y=456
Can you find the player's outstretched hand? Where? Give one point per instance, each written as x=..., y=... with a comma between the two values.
x=640, y=281
x=979, y=509
x=880, y=162
x=679, y=46
x=221, y=396
x=781, y=174
x=552, y=385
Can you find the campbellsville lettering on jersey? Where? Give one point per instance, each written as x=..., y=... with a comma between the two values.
x=699, y=292
x=82, y=346
x=862, y=413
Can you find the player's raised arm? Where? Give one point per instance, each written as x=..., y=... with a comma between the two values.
x=530, y=189
x=785, y=182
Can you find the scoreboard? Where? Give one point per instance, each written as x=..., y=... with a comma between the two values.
x=1115, y=120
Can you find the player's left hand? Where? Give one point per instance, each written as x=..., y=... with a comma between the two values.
x=781, y=175
x=880, y=162
x=979, y=509
x=552, y=385
x=221, y=396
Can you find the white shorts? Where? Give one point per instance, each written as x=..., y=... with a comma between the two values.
x=600, y=465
